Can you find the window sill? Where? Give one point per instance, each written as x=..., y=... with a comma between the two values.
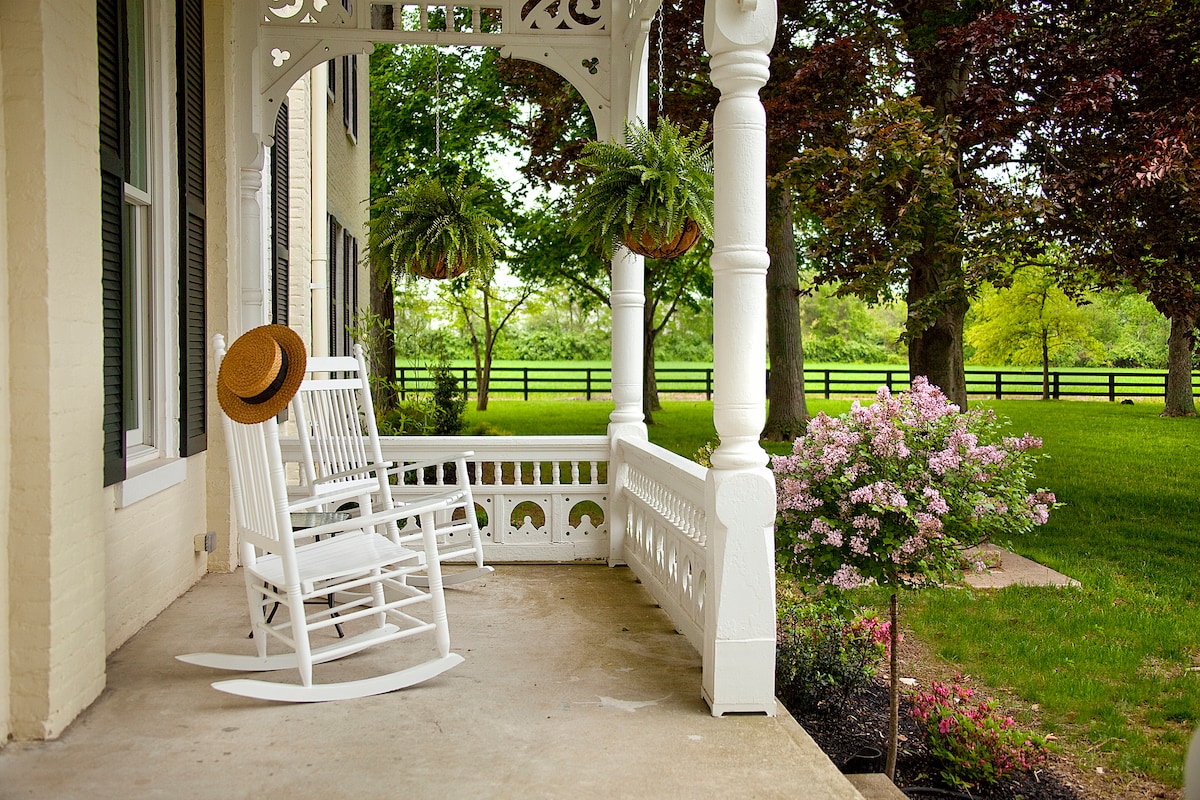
x=150, y=478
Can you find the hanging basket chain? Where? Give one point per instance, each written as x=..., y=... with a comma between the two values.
x=661, y=18
x=437, y=101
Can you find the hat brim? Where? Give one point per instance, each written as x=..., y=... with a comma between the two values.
x=236, y=408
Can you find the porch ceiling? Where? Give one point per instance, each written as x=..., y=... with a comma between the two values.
x=574, y=684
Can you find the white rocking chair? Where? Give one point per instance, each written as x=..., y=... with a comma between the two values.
x=344, y=566
x=341, y=455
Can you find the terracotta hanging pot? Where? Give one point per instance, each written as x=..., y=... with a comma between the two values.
x=650, y=247
x=438, y=270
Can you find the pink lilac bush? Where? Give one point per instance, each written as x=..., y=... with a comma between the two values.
x=894, y=491
x=975, y=743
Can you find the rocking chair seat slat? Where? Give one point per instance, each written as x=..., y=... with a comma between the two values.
x=337, y=557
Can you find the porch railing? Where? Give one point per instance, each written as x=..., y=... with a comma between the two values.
x=551, y=498
x=538, y=498
x=661, y=496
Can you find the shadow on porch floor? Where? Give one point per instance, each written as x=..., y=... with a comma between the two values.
x=575, y=685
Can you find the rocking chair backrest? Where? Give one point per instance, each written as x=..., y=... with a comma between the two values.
x=335, y=419
x=256, y=484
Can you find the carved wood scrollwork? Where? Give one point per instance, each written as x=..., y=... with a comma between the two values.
x=565, y=15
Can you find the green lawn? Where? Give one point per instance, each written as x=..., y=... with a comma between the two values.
x=1115, y=665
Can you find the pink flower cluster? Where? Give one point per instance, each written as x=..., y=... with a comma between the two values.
x=891, y=492
x=975, y=743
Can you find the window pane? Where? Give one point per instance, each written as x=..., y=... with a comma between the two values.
x=139, y=129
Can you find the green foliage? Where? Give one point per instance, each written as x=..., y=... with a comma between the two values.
x=1012, y=324
x=449, y=402
x=975, y=743
x=650, y=185
x=441, y=413
x=824, y=651
x=436, y=228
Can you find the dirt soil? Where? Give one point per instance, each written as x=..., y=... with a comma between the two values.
x=848, y=731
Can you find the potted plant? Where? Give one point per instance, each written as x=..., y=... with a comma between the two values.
x=433, y=227
x=653, y=194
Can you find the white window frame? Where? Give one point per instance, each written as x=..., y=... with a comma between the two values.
x=152, y=450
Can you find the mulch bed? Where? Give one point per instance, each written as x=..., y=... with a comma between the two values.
x=848, y=731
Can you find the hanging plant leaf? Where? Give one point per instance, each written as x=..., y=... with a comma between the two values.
x=435, y=228
x=648, y=193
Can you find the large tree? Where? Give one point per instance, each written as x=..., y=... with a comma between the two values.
x=904, y=194
x=1119, y=154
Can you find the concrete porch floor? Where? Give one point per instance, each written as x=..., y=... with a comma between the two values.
x=575, y=685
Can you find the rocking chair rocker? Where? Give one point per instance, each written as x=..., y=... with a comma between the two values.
x=348, y=563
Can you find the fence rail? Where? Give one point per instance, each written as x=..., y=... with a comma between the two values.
x=592, y=382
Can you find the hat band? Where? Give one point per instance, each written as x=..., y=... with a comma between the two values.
x=276, y=385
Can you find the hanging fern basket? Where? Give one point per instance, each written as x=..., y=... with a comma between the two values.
x=650, y=246
x=438, y=269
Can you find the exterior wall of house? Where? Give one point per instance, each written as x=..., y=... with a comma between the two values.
x=349, y=170
x=85, y=566
x=5, y=427
x=55, y=558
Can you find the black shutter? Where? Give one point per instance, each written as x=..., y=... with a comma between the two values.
x=114, y=104
x=352, y=102
x=349, y=300
x=192, y=273
x=346, y=90
x=332, y=283
x=279, y=219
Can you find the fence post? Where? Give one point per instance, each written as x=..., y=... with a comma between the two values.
x=999, y=385
x=1112, y=387
x=1056, y=386
x=889, y=381
x=402, y=392
x=525, y=382
x=826, y=384
x=708, y=384
x=589, y=383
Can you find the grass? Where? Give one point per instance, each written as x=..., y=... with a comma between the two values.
x=1115, y=665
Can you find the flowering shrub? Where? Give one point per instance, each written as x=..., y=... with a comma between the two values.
x=824, y=653
x=892, y=492
x=974, y=742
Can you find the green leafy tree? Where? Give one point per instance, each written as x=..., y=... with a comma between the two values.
x=433, y=111
x=1118, y=154
x=904, y=193
x=1032, y=321
x=484, y=308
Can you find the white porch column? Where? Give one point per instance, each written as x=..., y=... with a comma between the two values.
x=739, y=632
x=253, y=283
x=627, y=302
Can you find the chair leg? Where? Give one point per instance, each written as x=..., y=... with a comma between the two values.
x=434, y=571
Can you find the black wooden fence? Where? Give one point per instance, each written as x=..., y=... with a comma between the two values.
x=592, y=382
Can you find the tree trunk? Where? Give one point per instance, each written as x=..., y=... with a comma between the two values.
x=893, y=688
x=1180, y=345
x=937, y=351
x=383, y=355
x=650, y=402
x=787, y=411
x=483, y=362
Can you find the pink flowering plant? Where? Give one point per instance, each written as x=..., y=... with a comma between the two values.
x=975, y=743
x=893, y=492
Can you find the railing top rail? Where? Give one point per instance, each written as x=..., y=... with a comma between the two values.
x=683, y=475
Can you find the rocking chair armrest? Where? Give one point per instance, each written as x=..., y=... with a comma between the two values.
x=435, y=462
x=350, y=473
x=436, y=503
x=307, y=502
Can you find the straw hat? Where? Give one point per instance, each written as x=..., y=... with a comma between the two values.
x=260, y=373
